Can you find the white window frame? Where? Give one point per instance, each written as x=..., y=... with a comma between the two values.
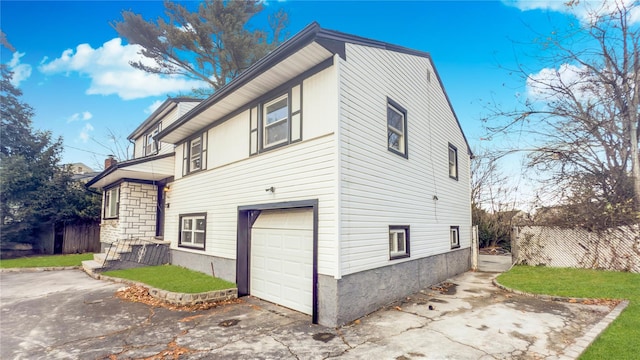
x=454, y=236
x=391, y=130
x=197, y=156
x=285, y=120
x=112, y=203
x=193, y=231
x=398, y=248
x=453, y=162
x=151, y=146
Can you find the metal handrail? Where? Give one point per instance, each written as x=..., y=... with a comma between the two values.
x=136, y=250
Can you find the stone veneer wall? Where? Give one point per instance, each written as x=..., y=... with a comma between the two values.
x=136, y=216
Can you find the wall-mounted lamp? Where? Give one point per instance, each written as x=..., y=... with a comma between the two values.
x=270, y=189
x=166, y=188
x=435, y=197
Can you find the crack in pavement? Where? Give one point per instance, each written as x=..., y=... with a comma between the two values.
x=463, y=344
x=285, y=345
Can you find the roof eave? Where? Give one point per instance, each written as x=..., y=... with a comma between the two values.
x=304, y=37
x=125, y=164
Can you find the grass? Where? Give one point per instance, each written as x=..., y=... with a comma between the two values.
x=173, y=278
x=621, y=339
x=46, y=261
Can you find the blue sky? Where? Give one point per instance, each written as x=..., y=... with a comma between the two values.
x=73, y=69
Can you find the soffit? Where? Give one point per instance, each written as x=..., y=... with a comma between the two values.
x=283, y=71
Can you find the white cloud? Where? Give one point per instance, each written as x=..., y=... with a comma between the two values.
x=85, y=132
x=151, y=108
x=110, y=72
x=80, y=116
x=584, y=10
x=20, y=71
x=543, y=85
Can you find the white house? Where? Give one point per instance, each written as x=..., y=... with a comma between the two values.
x=331, y=177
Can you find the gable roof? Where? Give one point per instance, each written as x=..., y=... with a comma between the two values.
x=309, y=48
x=161, y=111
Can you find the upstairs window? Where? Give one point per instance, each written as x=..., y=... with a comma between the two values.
x=453, y=162
x=195, y=154
x=276, y=121
x=112, y=203
x=151, y=145
x=398, y=241
x=193, y=230
x=396, y=128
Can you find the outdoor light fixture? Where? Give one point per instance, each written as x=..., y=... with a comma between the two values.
x=166, y=188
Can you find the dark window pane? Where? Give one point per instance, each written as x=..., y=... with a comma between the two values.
x=277, y=111
x=199, y=238
x=400, y=242
x=394, y=140
x=277, y=133
x=395, y=119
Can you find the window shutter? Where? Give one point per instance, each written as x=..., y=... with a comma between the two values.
x=296, y=113
x=185, y=158
x=253, y=131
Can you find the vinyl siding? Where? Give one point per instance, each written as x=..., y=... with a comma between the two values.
x=229, y=142
x=380, y=188
x=171, y=117
x=300, y=171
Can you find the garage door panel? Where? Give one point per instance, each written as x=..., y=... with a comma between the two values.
x=282, y=258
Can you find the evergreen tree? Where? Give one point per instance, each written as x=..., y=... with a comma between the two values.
x=213, y=44
x=34, y=189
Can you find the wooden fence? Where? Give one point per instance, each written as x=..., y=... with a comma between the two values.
x=614, y=249
x=81, y=238
x=68, y=238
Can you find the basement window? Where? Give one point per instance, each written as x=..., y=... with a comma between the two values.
x=454, y=235
x=398, y=241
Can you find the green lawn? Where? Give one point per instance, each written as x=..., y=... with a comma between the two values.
x=173, y=278
x=622, y=339
x=46, y=261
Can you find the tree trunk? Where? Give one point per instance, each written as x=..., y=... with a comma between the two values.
x=635, y=164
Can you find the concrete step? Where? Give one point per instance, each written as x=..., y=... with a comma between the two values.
x=100, y=257
x=90, y=266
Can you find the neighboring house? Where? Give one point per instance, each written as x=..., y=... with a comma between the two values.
x=331, y=177
x=81, y=172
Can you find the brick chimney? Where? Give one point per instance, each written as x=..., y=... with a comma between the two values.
x=109, y=162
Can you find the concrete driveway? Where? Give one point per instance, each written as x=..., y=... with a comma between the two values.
x=67, y=315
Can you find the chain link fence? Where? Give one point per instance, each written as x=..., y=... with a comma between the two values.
x=614, y=249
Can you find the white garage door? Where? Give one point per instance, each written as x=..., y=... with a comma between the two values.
x=282, y=258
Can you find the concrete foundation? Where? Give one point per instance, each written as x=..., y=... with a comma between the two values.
x=213, y=265
x=353, y=296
